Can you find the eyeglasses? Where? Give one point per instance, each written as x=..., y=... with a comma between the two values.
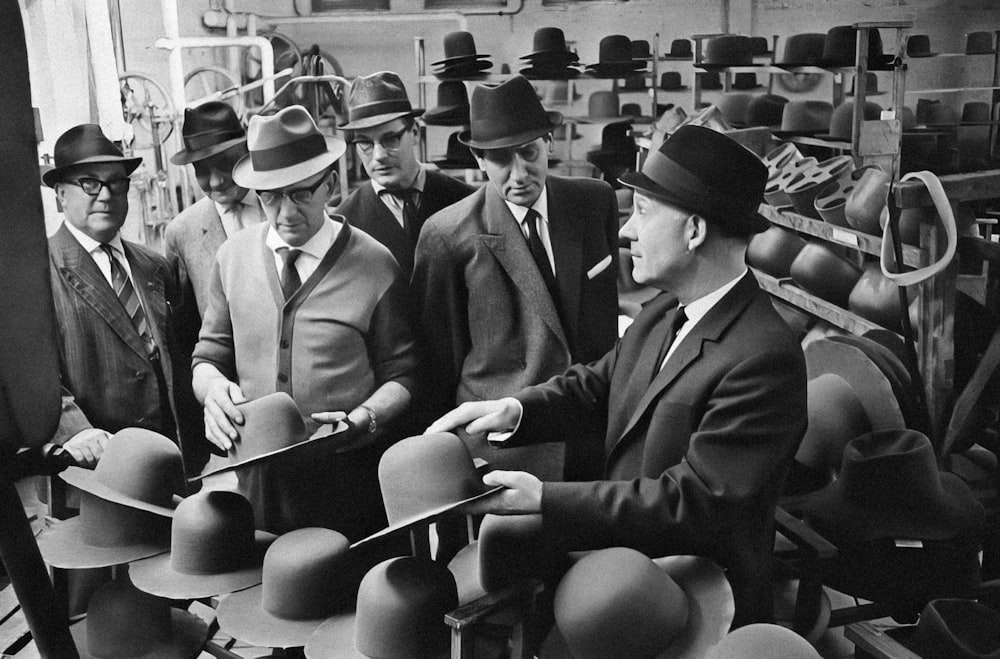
x=389, y=142
x=299, y=196
x=92, y=186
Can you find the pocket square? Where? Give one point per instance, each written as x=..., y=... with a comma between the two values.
x=601, y=266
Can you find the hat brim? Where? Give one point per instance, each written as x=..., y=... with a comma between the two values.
x=447, y=113
x=54, y=175
x=872, y=387
x=533, y=73
x=189, y=634
x=156, y=576
x=324, y=432
x=62, y=546
x=461, y=58
x=669, y=58
x=86, y=480
x=613, y=70
x=184, y=157
x=242, y=615
x=555, y=119
x=455, y=164
x=894, y=370
x=552, y=56
x=245, y=176
x=379, y=119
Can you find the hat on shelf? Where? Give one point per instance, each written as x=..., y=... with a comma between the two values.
x=452, y=107
x=976, y=112
x=615, y=58
x=550, y=58
x=208, y=129
x=806, y=118
x=824, y=272
x=952, y=628
x=456, y=156
x=744, y=81
x=558, y=92
x=842, y=120
x=633, y=111
x=919, y=45
x=831, y=202
x=709, y=81
x=727, y=50
x=734, y=106
x=670, y=81
x=840, y=48
x=935, y=113
x=762, y=640
x=461, y=60
x=83, y=145
x=871, y=85
x=603, y=104
x=803, y=50
x=617, y=150
x=773, y=251
x=640, y=49
x=377, y=99
x=679, y=49
x=634, y=82
x=507, y=114
x=766, y=110
x=979, y=43
x=759, y=46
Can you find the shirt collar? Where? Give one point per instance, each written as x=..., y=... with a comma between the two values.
x=541, y=205
x=245, y=201
x=418, y=183
x=317, y=246
x=696, y=309
x=92, y=245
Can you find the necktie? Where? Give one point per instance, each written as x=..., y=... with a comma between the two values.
x=540, y=255
x=123, y=288
x=680, y=317
x=408, y=199
x=290, y=281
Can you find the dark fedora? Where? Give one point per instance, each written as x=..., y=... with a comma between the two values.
x=670, y=81
x=759, y=46
x=744, y=81
x=957, y=628
x=766, y=110
x=871, y=85
x=549, y=45
x=634, y=82
x=919, y=45
x=840, y=48
x=83, y=145
x=457, y=155
x=640, y=49
x=377, y=99
x=803, y=50
x=208, y=129
x=709, y=81
x=617, y=148
x=727, y=50
x=705, y=172
x=679, y=49
x=452, y=107
x=979, y=43
x=507, y=114
x=459, y=46
x=615, y=58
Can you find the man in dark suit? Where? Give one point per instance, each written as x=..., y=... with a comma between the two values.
x=704, y=404
x=401, y=194
x=517, y=281
x=112, y=303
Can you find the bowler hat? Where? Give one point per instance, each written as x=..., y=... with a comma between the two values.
x=759, y=46
x=803, y=50
x=957, y=628
x=122, y=621
x=840, y=48
x=766, y=110
x=640, y=49
x=919, y=45
x=604, y=104
x=208, y=129
x=670, y=81
x=825, y=273
x=679, y=49
x=762, y=640
x=979, y=43
x=305, y=581
x=615, y=58
x=935, y=113
x=618, y=602
x=709, y=80
x=457, y=155
x=507, y=114
x=377, y=99
x=401, y=607
x=214, y=549
x=285, y=148
x=83, y=145
x=459, y=47
x=705, y=172
x=871, y=85
x=727, y=50
x=549, y=45
x=452, y=107
x=744, y=81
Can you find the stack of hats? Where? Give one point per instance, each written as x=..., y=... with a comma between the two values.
x=457, y=155
x=615, y=59
x=461, y=61
x=452, y=107
x=617, y=151
x=550, y=58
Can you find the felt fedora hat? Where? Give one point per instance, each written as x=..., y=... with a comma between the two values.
x=871, y=85
x=506, y=115
x=840, y=48
x=766, y=110
x=773, y=251
x=459, y=47
x=457, y=156
x=951, y=627
x=640, y=49
x=83, y=145
x=762, y=640
x=125, y=623
x=452, y=107
x=377, y=99
x=842, y=120
x=424, y=477
x=919, y=45
x=806, y=117
x=618, y=602
x=727, y=50
x=400, y=614
x=208, y=129
x=890, y=487
x=705, y=172
x=670, y=81
x=936, y=113
x=734, y=107
x=306, y=580
x=214, y=549
x=615, y=58
x=804, y=49
x=679, y=49
x=285, y=148
x=549, y=46
x=825, y=273
x=979, y=43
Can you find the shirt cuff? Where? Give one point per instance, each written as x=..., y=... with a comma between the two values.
x=495, y=438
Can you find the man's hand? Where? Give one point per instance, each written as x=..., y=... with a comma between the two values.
x=87, y=446
x=522, y=496
x=221, y=415
x=480, y=417
x=350, y=440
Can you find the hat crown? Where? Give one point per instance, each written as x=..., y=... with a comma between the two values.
x=842, y=119
x=210, y=124
x=807, y=116
x=83, y=144
x=548, y=39
x=302, y=573
x=123, y=621
x=508, y=114
x=459, y=44
x=896, y=465
x=918, y=44
x=615, y=48
x=680, y=48
x=270, y=422
x=766, y=110
x=806, y=48
x=105, y=523
x=212, y=533
x=286, y=126
x=603, y=104
x=142, y=465
x=729, y=49
x=510, y=548
x=978, y=43
x=841, y=45
x=381, y=93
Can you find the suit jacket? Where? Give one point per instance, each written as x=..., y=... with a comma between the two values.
x=365, y=211
x=192, y=239
x=695, y=454
x=490, y=326
x=108, y=381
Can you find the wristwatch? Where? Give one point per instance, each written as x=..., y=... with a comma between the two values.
x=372, y=419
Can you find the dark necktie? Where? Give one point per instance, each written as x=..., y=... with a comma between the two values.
x=290, y=281
x=680, y=317
x=540, y=256
x=408, y=198
x=125, y=291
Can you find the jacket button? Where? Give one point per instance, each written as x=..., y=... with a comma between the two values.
x=282, y=377
x=284, y=344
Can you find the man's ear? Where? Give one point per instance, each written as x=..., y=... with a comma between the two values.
x=478, y=155
x=697, y=232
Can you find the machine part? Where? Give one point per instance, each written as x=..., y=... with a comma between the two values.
x=205, y=80
x=144, y=103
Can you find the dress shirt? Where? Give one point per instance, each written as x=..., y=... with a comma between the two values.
x=541, y=206
x=313, y=250
x=696, y=310
x=100, y=257
x=240, y=215
x=394, y=203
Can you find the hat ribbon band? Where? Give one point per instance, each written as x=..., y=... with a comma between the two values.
x=376, y=108
x=211, y=138
x=665, y=172
x=288, y=154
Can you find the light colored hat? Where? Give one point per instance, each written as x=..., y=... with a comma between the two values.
x=763, y=640
x=285, y=148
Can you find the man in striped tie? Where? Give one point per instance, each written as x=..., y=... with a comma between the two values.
x=112, y=301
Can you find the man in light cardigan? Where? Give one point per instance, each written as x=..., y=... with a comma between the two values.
x=306, y=305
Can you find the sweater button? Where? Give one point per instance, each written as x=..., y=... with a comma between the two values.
x=284, y=344
x=282, y=378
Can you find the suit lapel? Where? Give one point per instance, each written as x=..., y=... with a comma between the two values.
x=567, y=249
x=213, y=234
x=149, y=286
x=509, y=247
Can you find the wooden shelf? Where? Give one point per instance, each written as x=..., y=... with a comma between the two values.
x=969, y=186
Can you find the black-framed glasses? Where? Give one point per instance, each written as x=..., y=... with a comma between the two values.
x=389, y=141
x=299, y=196
x=92, y=186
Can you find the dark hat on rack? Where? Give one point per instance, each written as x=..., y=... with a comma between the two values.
x=460, y=58
x=452, y=107
x=825, y=273
x=840, y=48
x=744, y=81
x=919, y=45
x=773, y=251
x=377, y=99
x=679, y=49
x=617, y=146
x=507, y=114
x=871, y=85
x=976, y=112
x=710, y=81
x=766, y=110
x=634, y=82
x=727, y=50
x=457, y=155
x=935, y=113
x=734, y=106
x=603, y=104
x=550, y=57
x=640, y=49
x=759, y=46
x=615, y=58
x=803, y=50
x=806, y=117
x=979, y=43
x=208, y=129
x=83, y=145
x=670, y=81
x=842, y=119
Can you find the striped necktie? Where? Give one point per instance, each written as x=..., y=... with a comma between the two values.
x=290, y=281
x=125, y=291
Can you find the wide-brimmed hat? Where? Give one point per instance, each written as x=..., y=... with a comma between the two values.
x=214, y=549
x=957, y=628
x=618, y=602
x=549, y=48
x=83, y=145
x=840, y=48
x=508, y=114
x=558, y=91
x=285, y=148
x=615, y=58
x=459, y=46
x=890, y=487
x=727, y=50
x=766, y=110
x=377, y=99
x=452, y=107
x=762, y=640
x=803, y=50
x=400, y=613
x=979, y=43
x=272, y=425
x=806, y=117
x=703, y=171
x=123, y=621
x=424, y=477
x=919, y=45
x=208, y=129
x=306, y=580
x=457, y=155
x=679, y=49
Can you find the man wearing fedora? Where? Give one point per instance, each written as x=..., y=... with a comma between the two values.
x=306, y=305
x=703, y=399
x=517, y=281
x=118, y=350
x=401, y=193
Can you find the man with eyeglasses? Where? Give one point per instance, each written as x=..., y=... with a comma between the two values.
x=307, y=305
x=401, y=193
x=119, y=355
